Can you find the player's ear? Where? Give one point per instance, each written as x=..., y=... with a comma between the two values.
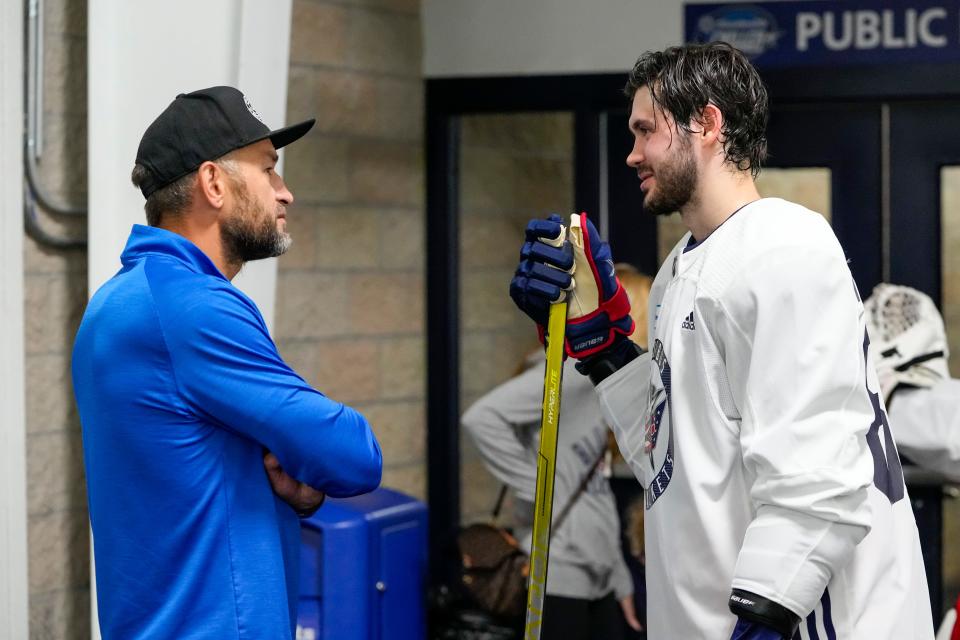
x=711, y=124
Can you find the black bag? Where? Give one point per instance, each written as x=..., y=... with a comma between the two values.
x=494, y=569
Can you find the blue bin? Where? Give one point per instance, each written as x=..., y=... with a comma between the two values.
x=362, y=569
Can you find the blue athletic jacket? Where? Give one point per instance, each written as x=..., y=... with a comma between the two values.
x=180, y=388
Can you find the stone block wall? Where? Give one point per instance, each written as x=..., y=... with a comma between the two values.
x=350, y=293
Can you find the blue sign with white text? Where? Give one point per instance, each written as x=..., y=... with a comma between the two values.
x=831, y=32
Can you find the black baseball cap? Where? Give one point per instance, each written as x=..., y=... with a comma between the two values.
x=200, y=126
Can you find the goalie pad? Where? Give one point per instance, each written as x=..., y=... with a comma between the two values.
x=908, y=336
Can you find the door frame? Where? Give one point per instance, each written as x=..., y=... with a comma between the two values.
x=447, y=100
x=587, y=96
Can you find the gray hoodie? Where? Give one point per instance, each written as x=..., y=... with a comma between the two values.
x=585, y=556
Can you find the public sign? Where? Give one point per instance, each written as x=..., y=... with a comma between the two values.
x=831, y=32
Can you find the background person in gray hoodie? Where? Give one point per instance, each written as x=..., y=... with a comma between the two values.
x=589, y=589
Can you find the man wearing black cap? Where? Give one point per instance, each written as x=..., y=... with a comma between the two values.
x=201, y=445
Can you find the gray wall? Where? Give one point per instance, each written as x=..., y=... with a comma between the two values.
x=506, y=37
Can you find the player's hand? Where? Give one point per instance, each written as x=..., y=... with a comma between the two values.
x=749, y=630
x=544, y=273
x=630, y=613
x=304, y=499
x=598, y=310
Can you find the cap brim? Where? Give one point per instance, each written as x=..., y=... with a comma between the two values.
x=286, y=135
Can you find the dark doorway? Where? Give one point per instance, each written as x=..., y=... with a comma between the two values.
x=875, y=131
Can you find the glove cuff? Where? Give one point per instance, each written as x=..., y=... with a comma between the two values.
x=750, y=606
x=594, y=332
x=602, y=365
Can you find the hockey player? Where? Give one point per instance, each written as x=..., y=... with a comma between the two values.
x=775, y=501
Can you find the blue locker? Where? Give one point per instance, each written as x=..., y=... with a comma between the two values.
x=362, y=569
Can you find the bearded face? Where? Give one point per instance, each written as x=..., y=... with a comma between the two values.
x=251, y=231
x=676, y=180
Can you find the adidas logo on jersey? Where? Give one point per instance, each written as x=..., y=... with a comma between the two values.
x=688, y=322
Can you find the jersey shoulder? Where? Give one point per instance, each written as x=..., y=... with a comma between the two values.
x=768, y=228
x=772, y=223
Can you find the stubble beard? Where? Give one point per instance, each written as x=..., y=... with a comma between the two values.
x=676, y=182
x=251, y=233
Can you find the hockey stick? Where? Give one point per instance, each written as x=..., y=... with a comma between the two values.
x=546, y=470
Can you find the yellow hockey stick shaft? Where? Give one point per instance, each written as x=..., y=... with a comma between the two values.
x=546, y=471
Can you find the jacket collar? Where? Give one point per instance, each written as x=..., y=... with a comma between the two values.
x=145, y=241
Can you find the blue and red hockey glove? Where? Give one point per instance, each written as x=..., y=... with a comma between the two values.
x=554, y=264
x=749, y=630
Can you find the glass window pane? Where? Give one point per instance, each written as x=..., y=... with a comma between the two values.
x=808, y=186
x=950, y=256
x=513, y=167
x=950, y=261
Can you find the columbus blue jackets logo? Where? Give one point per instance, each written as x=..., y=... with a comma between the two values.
x=658, y=402
x=660, y=417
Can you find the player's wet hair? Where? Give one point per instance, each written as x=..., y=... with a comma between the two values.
x=683, y=80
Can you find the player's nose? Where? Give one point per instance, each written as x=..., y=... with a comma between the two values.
x=635, y=157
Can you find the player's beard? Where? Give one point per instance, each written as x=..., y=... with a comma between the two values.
x=250, y=232
x=676, y=181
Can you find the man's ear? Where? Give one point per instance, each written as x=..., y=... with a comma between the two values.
x=711, y=124
x=212, y=183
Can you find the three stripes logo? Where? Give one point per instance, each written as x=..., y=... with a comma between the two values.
x=688, y=322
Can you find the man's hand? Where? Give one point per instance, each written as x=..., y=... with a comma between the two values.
x=630, y=613
x=304, y=499
x=598, y=311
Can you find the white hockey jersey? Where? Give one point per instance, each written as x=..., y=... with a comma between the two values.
x=755, y=427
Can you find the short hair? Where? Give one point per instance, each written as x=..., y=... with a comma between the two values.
x=171, y=199
x=683, y=80
x=176, y=197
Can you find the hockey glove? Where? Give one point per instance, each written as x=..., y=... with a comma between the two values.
x=546, y=262
x=748, y=630
x=598, y=310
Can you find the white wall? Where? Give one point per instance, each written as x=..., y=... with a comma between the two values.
x=141, y=54
x=529, y=37
x=13, y=494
